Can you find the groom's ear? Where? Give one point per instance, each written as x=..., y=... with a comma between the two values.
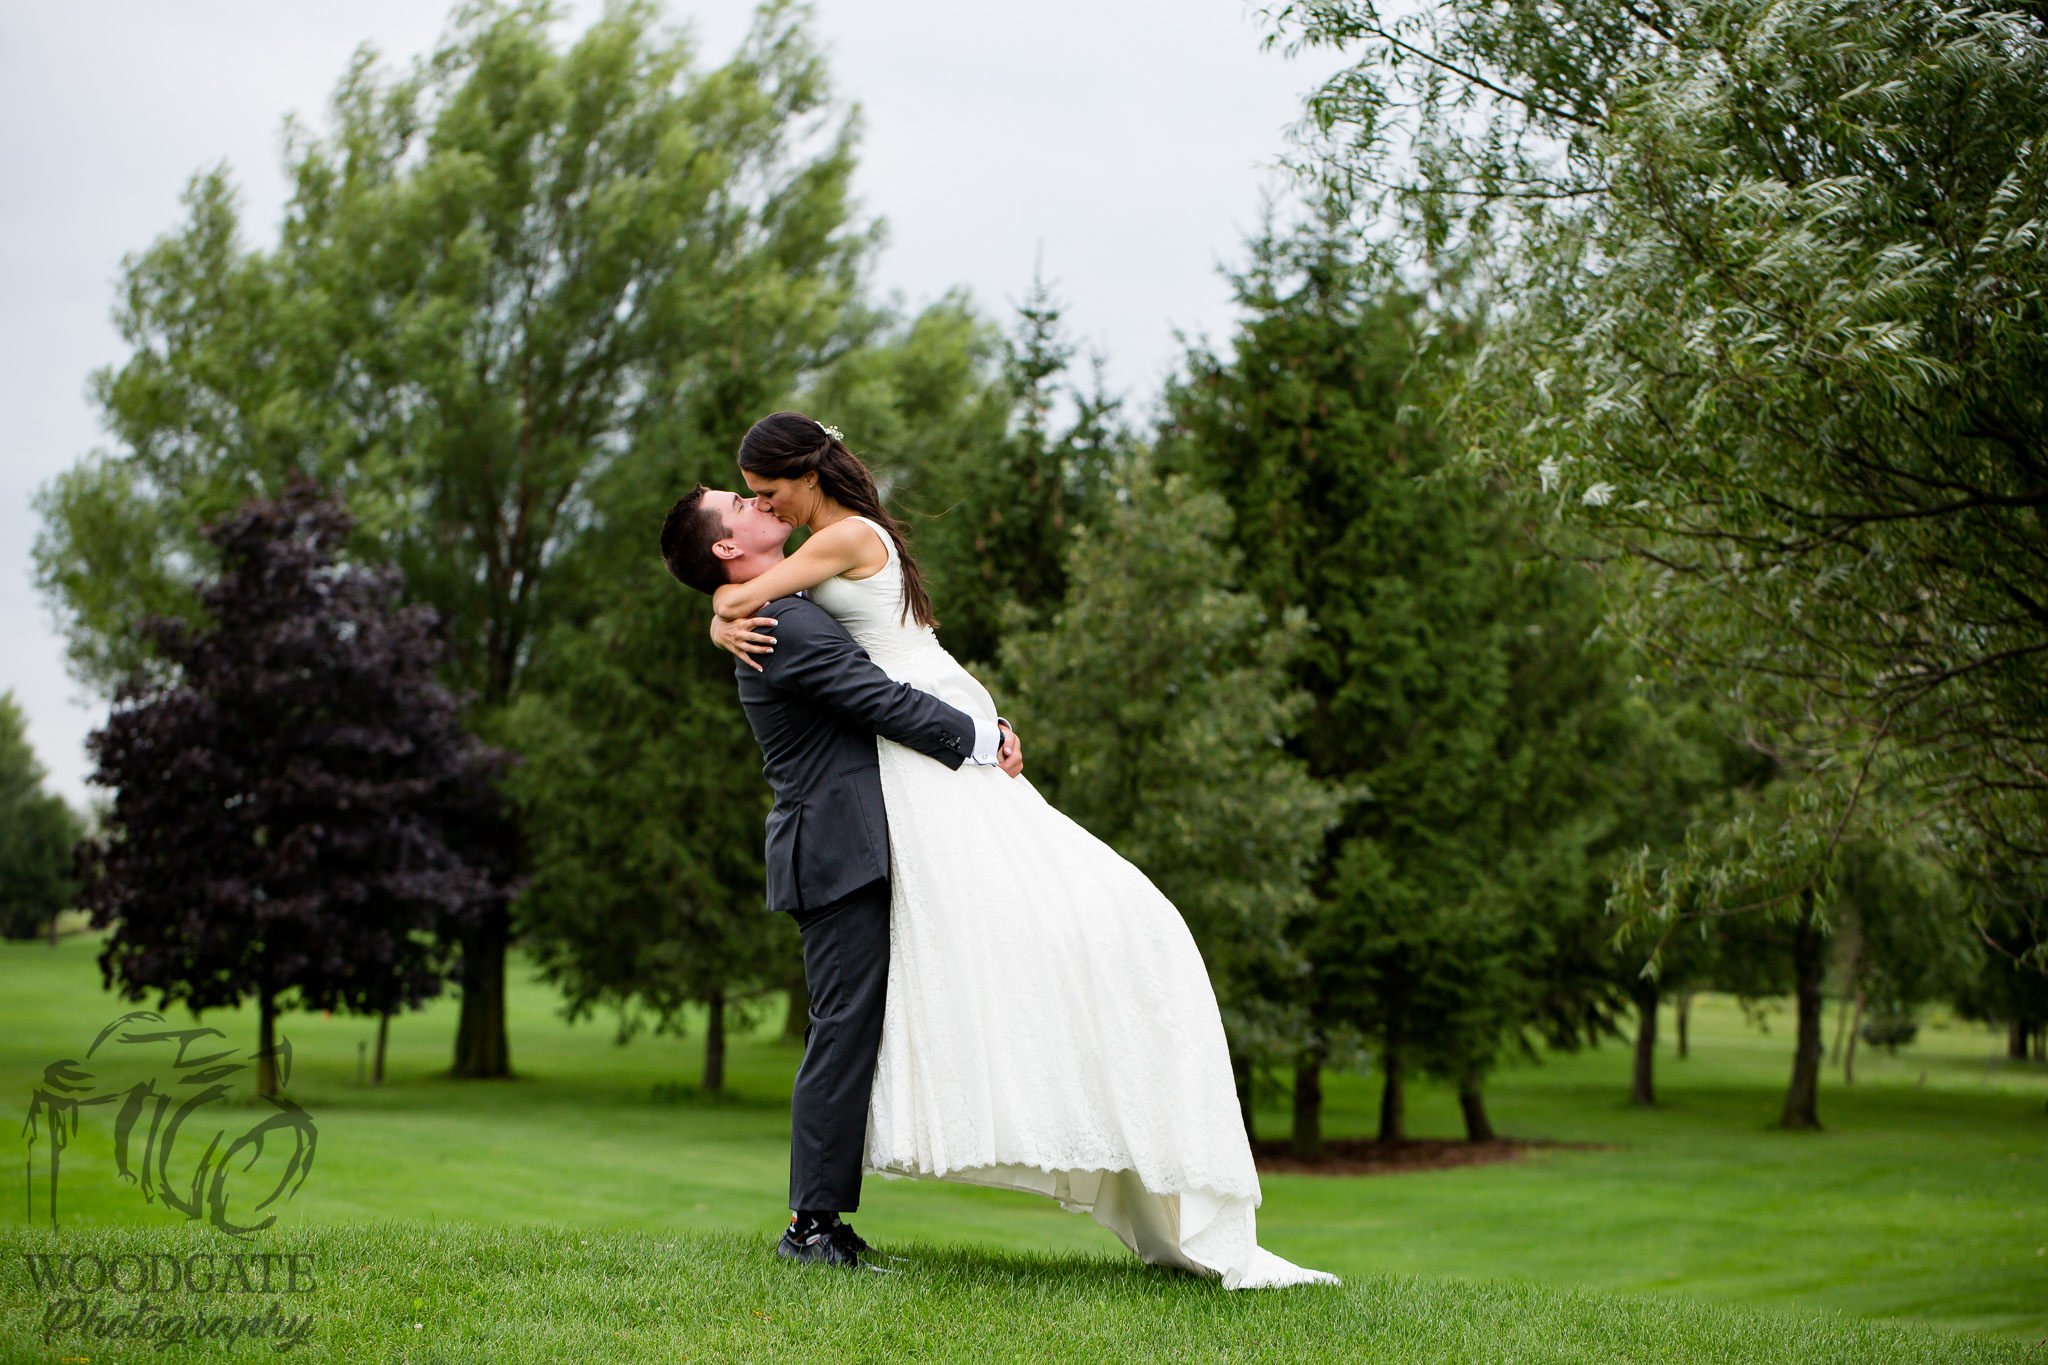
x=726, y=549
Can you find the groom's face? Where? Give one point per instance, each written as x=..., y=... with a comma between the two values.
x=753, y=535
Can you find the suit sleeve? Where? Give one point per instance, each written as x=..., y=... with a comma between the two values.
x=817, y=660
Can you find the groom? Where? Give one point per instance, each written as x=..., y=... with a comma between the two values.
x=816, y=704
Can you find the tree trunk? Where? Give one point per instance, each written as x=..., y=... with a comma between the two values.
x=1855, y=1032
x=1308, y=1104
x=1393, y=1096
x=1809, y=970
x=1241, y=1071
x=1642, y=1084
x=266, y=1045
x=714, y=1044
x=797, y=1022
x=1684, y=1012
x=1478, y=1127
x=2041, y=1042
x=383, y=1040
x=1852, y=976
x=481, y=1052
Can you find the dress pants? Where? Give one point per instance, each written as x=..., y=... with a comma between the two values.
x=846, y=964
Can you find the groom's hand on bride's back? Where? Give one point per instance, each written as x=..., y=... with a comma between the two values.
x=743, y=639
x=1010, y=758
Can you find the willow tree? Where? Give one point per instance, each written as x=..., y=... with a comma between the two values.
x=502, y=271
x=1777, y=273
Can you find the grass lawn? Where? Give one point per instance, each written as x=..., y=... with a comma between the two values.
x=466, y=1294
x=1926, y=1200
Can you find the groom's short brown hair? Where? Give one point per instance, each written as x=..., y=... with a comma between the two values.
x=687, y=535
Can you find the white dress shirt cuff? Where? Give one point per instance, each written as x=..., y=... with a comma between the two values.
x=988, y=743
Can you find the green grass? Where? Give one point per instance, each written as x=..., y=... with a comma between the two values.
x=1922, y=1202
x=472, y=1295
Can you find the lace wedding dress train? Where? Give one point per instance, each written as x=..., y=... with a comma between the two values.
x=1050, y=1023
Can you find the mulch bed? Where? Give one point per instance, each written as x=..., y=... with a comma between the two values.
x=1363, y=1156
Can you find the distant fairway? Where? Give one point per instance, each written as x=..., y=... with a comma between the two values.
x=1921, y=1202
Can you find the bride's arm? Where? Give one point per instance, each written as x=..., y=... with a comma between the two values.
x=827, y=554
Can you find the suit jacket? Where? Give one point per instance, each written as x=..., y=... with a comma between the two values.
x=816, y=706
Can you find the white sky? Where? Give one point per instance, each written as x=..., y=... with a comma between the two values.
x=1132, y=141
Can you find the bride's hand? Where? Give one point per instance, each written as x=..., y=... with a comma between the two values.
x=743, y=639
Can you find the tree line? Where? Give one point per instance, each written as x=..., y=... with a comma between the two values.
x=1442, y=765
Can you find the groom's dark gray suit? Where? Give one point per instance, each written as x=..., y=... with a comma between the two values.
x=816, y=706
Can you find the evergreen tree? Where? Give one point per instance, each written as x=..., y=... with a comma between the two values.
x=995, y=498
x=37, y=832
x=2008, y=987
x=1444, y=897
x=1157, y=703
x=1684, y=767
x=1542, y=831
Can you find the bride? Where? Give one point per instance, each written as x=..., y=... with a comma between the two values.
x=1049, y=1025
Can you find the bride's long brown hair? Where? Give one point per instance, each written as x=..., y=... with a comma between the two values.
x=789, y=445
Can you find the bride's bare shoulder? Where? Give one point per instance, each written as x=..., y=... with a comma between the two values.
x=858, y=540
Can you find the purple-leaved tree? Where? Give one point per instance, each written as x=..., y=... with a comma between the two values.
x=299, y=814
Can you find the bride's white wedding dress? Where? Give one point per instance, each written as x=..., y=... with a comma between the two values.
x=1050, y=1024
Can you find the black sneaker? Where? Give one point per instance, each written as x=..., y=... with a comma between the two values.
x=834, y=1244
x=866, y=1252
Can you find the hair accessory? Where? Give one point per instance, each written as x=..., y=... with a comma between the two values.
x=833, y=432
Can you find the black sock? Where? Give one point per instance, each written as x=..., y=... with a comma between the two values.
x=808, y=1221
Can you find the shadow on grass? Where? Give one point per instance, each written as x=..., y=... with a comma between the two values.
x=964, y=1264
x=1406, y=1156
x=692, y=1097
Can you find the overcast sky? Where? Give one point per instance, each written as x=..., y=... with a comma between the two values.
x=1131, y=141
